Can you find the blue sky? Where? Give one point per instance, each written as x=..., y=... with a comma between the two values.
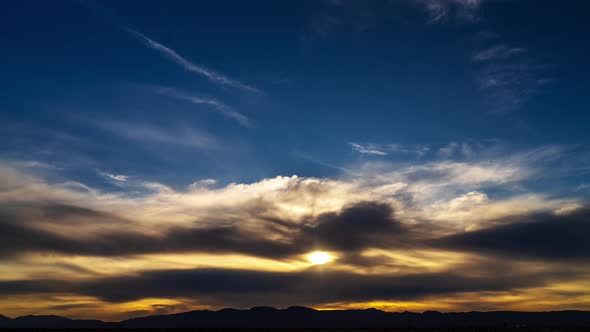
x=324, y=74
x=452, y=115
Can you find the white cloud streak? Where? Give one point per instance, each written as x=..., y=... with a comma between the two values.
x=386, y=149
x=147, y=133
x=219, y=106
x=115, y=177
x=497, y=52
x=367, y=149
x=211, y=75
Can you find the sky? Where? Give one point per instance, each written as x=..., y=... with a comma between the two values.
x=159, y=157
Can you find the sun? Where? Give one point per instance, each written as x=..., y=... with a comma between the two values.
x=319, y=257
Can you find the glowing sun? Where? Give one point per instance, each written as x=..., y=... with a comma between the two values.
x=319, y=257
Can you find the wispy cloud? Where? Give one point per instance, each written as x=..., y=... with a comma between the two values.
x=436, y=11
x=138, y=185
x=147, y=133
x=219, y=106
x=510, y=84
x=211, y=75
x=115, y=177
x=462, y=150
x=307, y=157
x=497, y=52
x=508, y=75
x=30, y=164
x=440, y=11
x=385, y=149
x=367, y=149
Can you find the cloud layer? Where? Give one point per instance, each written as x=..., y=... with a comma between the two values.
x=398, y=233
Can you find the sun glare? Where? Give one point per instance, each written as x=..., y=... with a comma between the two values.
x=319, y=257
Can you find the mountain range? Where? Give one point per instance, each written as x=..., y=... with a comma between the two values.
x=303, y=317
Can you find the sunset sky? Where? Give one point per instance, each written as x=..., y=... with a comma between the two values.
x=166, y=156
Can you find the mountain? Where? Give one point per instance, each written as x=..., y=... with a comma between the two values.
x=305, y=317
x=302, y=317
x=49, y=321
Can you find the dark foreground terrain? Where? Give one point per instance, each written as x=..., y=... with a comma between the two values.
x=499, y=329
x=303, y=318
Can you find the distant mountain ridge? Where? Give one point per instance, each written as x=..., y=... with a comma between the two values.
x=303, y=317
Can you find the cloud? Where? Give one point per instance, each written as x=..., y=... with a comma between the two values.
x=31, y=164
x=21, y=234
x=367, y=149
x=222, y=108
x=545, y=236
x=508, y=75
x=497, y=52
x=277, y=218
x=419, y=150
x=211, y=75
x=386, y=149
x=440, y=11
x=467, y=150
x=222, y=287
x=509, y=85
x=468, y=200
x=419, y=230
x=359, y=226
x=148, y=133
x=205, y=183
x=116, y=177
x=448, y=151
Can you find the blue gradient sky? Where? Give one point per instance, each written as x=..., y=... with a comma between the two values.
x=329, y=73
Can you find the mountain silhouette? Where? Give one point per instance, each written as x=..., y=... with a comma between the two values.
x=303, y=317
x=49, y=321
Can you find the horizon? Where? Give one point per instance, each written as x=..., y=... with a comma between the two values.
x=303, y=317
x=302, y=307
x=413, y=155
x=298, y=307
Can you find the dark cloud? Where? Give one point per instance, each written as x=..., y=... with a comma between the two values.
x=63, y=213
x=540, y=236
x=22, y=229
x=19, y=239
x=363, y=225
x=56, y=213
x=313, y=286
x=359, y=226
x=72, y=306
x=16, y=287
